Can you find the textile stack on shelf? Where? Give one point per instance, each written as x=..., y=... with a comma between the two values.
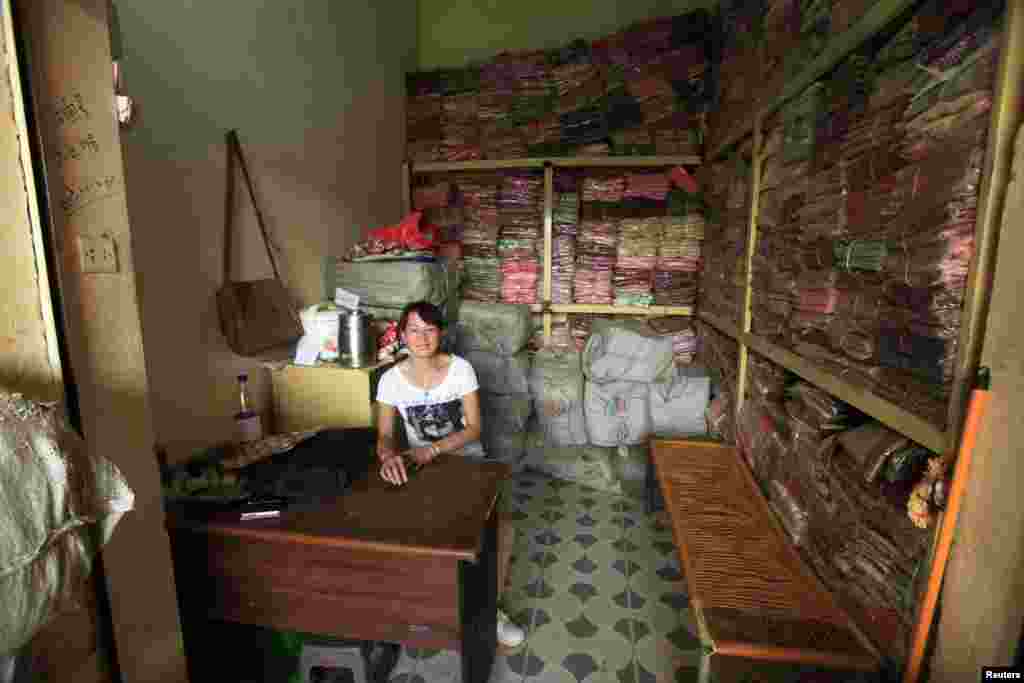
x=724, y=266
x=868, y=206
x=460, y=129
x=595, y=261
x=681, y=331
x=841, y=492
x=679, y=260
x=423, y=121
x=813, y=29
x=565, y=220
x=479, y=200
x=720, y=355
x=781, y=35
x=635, y=261
x=520, y=215
x=739, y=71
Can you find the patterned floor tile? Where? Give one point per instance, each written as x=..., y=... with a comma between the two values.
x=596, y=585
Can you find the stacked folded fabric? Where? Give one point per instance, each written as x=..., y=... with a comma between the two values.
x=423, y=127
x=683, y=335
x=563, y=268
x=604, y=188
x=520, y=218
x=460, y=129
x=595, y=260
x=674, y=288
x=565, y=213
x=652, y=186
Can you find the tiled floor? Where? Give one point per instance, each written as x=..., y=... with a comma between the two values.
x=596, y=584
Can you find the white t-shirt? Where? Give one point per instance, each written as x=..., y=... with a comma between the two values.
x=431, y=415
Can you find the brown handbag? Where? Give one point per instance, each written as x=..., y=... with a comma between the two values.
x=255, y=315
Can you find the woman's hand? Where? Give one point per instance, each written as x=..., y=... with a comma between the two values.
x=422, y=455
x=393, y=471
x=385, y=452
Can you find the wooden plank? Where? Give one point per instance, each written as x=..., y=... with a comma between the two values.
x=755, y=193
x=557, y=162
x=627, y=162
x=1005, y=120
x=891, y=415
x=610, y=309
x=733, y=547
x=549, y=204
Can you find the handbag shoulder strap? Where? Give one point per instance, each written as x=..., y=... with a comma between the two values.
x=234, y=150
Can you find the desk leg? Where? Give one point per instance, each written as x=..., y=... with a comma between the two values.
x=478, y=609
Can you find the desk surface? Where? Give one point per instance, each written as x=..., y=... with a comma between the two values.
x=430, y=515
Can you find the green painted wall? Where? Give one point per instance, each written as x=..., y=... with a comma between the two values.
x=454, y=32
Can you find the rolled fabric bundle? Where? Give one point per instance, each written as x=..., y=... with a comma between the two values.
x=500, y=374
x=503, y=328
x=589, y=466
x=505, y=413
x=617, y=413
x=679, y=403
x=556, y=385
x=626, y=351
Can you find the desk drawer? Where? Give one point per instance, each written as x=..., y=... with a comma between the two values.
x=350, y=593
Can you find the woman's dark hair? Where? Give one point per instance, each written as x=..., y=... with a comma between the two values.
x=428, y=313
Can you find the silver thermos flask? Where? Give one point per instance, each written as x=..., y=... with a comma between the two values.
x=357, y=345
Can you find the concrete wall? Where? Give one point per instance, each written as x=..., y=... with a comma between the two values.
x=73, y=96
x=315, y=90
x=29, y=362
x=455, y=32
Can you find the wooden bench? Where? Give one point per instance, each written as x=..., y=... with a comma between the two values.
x=760, y=609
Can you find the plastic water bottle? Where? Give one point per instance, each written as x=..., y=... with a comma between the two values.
x=248, y=426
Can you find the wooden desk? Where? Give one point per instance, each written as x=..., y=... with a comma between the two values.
x=413, y=564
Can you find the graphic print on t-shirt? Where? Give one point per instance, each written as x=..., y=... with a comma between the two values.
x=436, y=421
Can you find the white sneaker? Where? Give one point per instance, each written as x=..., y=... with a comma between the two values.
x=509, y=634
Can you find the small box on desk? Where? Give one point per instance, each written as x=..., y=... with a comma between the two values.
x=347, y=662
x=325, y=395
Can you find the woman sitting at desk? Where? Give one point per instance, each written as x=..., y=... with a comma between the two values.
x=437, y=396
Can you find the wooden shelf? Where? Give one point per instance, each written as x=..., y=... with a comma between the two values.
x=611, y=309
x=871, y=22
x=886, y=412
x=557, y=162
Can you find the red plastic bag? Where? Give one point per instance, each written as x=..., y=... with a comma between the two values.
x=409, y=233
